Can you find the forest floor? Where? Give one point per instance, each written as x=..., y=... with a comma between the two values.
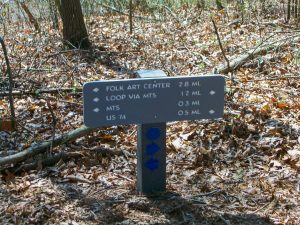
x=242, y=169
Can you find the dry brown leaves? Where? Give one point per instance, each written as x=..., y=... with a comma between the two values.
x=242, y=169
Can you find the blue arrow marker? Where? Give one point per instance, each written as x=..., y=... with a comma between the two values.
x=152, y=164
x=152, y=148
x=153, y=133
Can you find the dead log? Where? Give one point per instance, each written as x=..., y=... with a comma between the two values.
x=252, y=54
x=48, y=161
x=35, y=149
x=241, y=60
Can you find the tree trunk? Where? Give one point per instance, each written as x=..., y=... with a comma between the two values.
x=130, y=16
x=58, y=5
x=31, y=18
x=296, y=9
x=288, y=16
x=74, y=30
x=53, y=14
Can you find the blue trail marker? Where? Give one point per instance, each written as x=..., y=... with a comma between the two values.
x=152, y=148
x=152, y=164
x=153, y=133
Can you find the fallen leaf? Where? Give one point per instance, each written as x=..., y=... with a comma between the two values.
x=177, y=144
x=6, y=125
x=188, y=136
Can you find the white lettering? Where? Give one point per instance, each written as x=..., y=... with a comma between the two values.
x=157, y=85
x=196, y=93
x=115, y=88
x=122, y=117
x=195, y=112
x=183, y=103
x=113, y=108
x=133, y=87
x=195, y=102
x=183, y=113
x=185, y=93
x=196, y=84
x=134, y=96
x=115, y=98
x=110, y=117
x=150, y=95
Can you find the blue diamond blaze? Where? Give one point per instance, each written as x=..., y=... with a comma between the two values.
x=152, y=164
x=153, y=133
x=152, y=148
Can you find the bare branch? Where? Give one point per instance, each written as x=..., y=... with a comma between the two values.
x=35, y=149
x=10, y=78
x=220, y=43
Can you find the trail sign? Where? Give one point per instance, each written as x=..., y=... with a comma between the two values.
x=153, y=100
x=150, y=102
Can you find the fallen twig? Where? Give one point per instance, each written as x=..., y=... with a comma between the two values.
x=121, y=176
x=75, y=90
x=35, y=149
x=73, y=178
x=67, y=51
x=267, y=206
x=48, y=161
x=219, y=214
x=274, y=78
x=207, y=194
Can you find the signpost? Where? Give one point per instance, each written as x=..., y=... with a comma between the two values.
x=151, y=101
x=151, y=149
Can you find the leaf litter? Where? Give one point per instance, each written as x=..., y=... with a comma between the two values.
x=242, y=169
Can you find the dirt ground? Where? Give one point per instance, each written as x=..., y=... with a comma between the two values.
x=242, y=169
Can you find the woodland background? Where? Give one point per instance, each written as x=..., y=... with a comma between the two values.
x=242, y=169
